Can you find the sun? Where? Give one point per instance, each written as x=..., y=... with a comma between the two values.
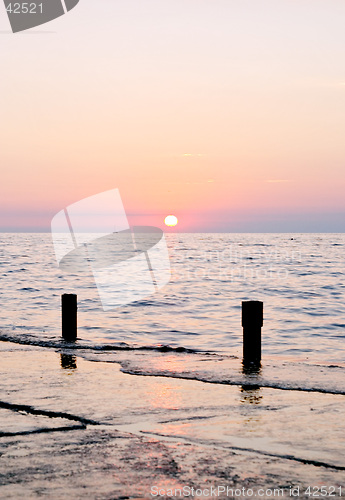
x=170, y=220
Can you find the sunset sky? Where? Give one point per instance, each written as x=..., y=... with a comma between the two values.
x=229, y=114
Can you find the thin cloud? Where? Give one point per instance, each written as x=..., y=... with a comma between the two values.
x=278, y=180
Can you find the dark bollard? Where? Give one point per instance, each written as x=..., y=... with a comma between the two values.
x=252, y=321
x=69, y=316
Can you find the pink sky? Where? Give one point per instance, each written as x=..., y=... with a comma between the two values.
x=228, y=114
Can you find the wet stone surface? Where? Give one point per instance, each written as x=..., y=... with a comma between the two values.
x=74, y=428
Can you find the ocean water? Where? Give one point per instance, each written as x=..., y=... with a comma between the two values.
x=299, y=277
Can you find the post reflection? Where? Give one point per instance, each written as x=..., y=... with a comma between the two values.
x=251, y=369
x=251, y=394
x=251, y=391
x=68, y=362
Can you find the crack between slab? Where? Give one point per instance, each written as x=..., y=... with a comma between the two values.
x=305, y=461
x=47, y=413
x=43, y=430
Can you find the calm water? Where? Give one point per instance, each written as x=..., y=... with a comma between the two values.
x=300, y=281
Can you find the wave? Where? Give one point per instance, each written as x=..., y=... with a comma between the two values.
x=202, y=366
x=28, y=339
x=248, y=385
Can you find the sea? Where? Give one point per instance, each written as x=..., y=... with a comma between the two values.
x=298, y=277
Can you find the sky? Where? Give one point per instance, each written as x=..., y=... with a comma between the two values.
x=229, y=114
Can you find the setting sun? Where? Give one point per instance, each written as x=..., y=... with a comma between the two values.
x=170, y=220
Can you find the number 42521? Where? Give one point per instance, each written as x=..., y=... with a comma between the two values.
x=25, y=8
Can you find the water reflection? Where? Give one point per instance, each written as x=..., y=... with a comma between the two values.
x=68, y=362
x=251, y=368
x=164, y=396
x=251, y=392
